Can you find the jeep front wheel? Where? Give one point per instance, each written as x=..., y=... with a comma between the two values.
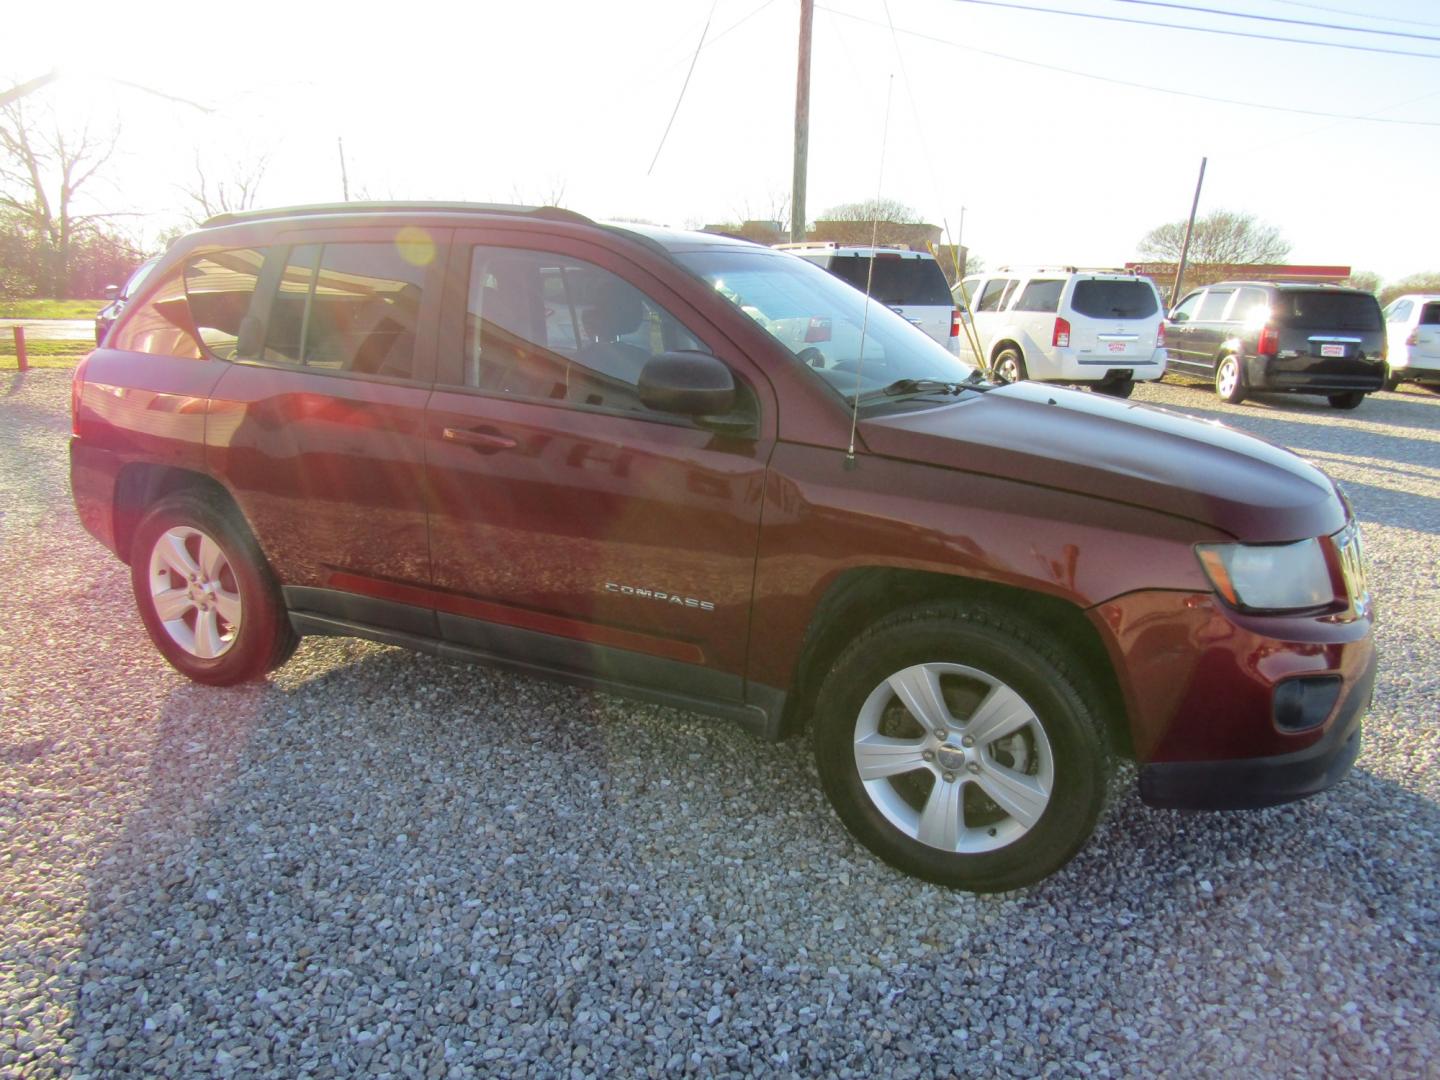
x=956, y=745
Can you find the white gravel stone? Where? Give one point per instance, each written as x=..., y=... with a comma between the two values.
x=378, y=863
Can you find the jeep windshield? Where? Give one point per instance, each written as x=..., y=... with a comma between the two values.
x=855, y=346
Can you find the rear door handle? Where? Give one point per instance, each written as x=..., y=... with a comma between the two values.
x=486, y=442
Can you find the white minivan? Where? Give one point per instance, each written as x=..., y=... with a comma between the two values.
x=1101, y=328
x=1412, y=340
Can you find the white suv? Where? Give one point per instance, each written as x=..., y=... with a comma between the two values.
x=909, y=283
x=1412, y=335
x=1102, y=328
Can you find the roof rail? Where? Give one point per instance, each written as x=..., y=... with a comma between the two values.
x=553, y=213
x=831, y=245
x=1046, y=268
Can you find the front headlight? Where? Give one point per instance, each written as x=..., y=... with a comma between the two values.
x=1272, y=577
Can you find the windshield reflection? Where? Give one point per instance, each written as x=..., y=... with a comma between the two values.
x=854, y=345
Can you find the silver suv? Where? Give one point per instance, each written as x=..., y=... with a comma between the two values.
x=1101, y=328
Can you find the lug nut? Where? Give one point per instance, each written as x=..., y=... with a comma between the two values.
x=928, y=755
x=949, y=777
x=967, y=741
x=974, y=766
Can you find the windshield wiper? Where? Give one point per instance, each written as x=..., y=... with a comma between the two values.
x=913, y=386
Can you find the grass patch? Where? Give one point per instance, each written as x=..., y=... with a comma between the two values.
x=50, y=309
x=43, y=353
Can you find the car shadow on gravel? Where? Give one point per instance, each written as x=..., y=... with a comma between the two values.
x=380, y=859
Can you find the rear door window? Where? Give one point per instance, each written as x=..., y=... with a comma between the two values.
x=1104, y=299
x=895, y=279
x=347, y=307
x=1330, y=311
x=1040, y=296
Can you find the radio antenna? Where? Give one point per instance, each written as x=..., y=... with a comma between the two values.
x=869, y=274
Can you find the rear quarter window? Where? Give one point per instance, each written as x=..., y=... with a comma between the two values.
x=1102, y=299
x=1040, y=296
x=1430, y=315
x=1330, y=311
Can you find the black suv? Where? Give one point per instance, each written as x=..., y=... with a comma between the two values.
x=1259, y=336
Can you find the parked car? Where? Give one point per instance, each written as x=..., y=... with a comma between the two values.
x=118, y=296
x=592, y=452
x=1099, y=328
x=910, y=283
x=1412, y=333
x=1251, y=336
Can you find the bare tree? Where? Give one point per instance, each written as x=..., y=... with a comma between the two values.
x=42, y=167
x=1222, y=237
x=209, y=197
x=551, y=191
x=887, y=220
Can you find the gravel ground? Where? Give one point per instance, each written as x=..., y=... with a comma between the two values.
x=382, y=864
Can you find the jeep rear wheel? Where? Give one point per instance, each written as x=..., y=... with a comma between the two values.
x=1230, y=380
x=205, y=595
x=955, y=744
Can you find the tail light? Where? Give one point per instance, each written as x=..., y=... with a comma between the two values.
x=1061, y=337
x=1160, y=337
x=955, y=322
x=1414, y=338
x=77, y=388
x=818, y=330
x=1269, y=341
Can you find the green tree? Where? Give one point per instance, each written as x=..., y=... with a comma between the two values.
x=1425, y=282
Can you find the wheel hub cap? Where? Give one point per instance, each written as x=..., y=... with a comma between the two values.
x=951, y=758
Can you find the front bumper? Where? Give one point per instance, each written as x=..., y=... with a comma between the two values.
x=1252, y=783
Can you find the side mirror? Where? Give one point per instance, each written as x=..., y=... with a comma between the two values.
x=689, y=383
x=111, y=292
x=1176, y=316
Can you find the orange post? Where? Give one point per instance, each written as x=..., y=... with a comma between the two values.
x=21, y=360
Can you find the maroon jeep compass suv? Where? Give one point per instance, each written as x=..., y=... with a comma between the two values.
x=617, y=456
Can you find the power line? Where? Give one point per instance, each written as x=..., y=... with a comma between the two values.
x=676, y=111
x=1135, y=85
x=1197, y=29
x=1357, y=14
x=1276, y=19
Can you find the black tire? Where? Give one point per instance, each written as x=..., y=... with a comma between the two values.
x=1230, y=380
x=1391, y=382
x=1059, y=743
x=1119, y=388
x=1349, y=400
x=239, y=586
x=1010, y=365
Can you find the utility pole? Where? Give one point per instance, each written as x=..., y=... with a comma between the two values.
x=1189, y=228
x=802, y=125
x=344, y=179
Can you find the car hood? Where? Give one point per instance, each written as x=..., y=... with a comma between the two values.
x=1121, y=451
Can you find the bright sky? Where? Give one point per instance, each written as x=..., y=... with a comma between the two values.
x=519, y=101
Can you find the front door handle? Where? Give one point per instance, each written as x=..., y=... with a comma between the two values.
x=486, y=442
